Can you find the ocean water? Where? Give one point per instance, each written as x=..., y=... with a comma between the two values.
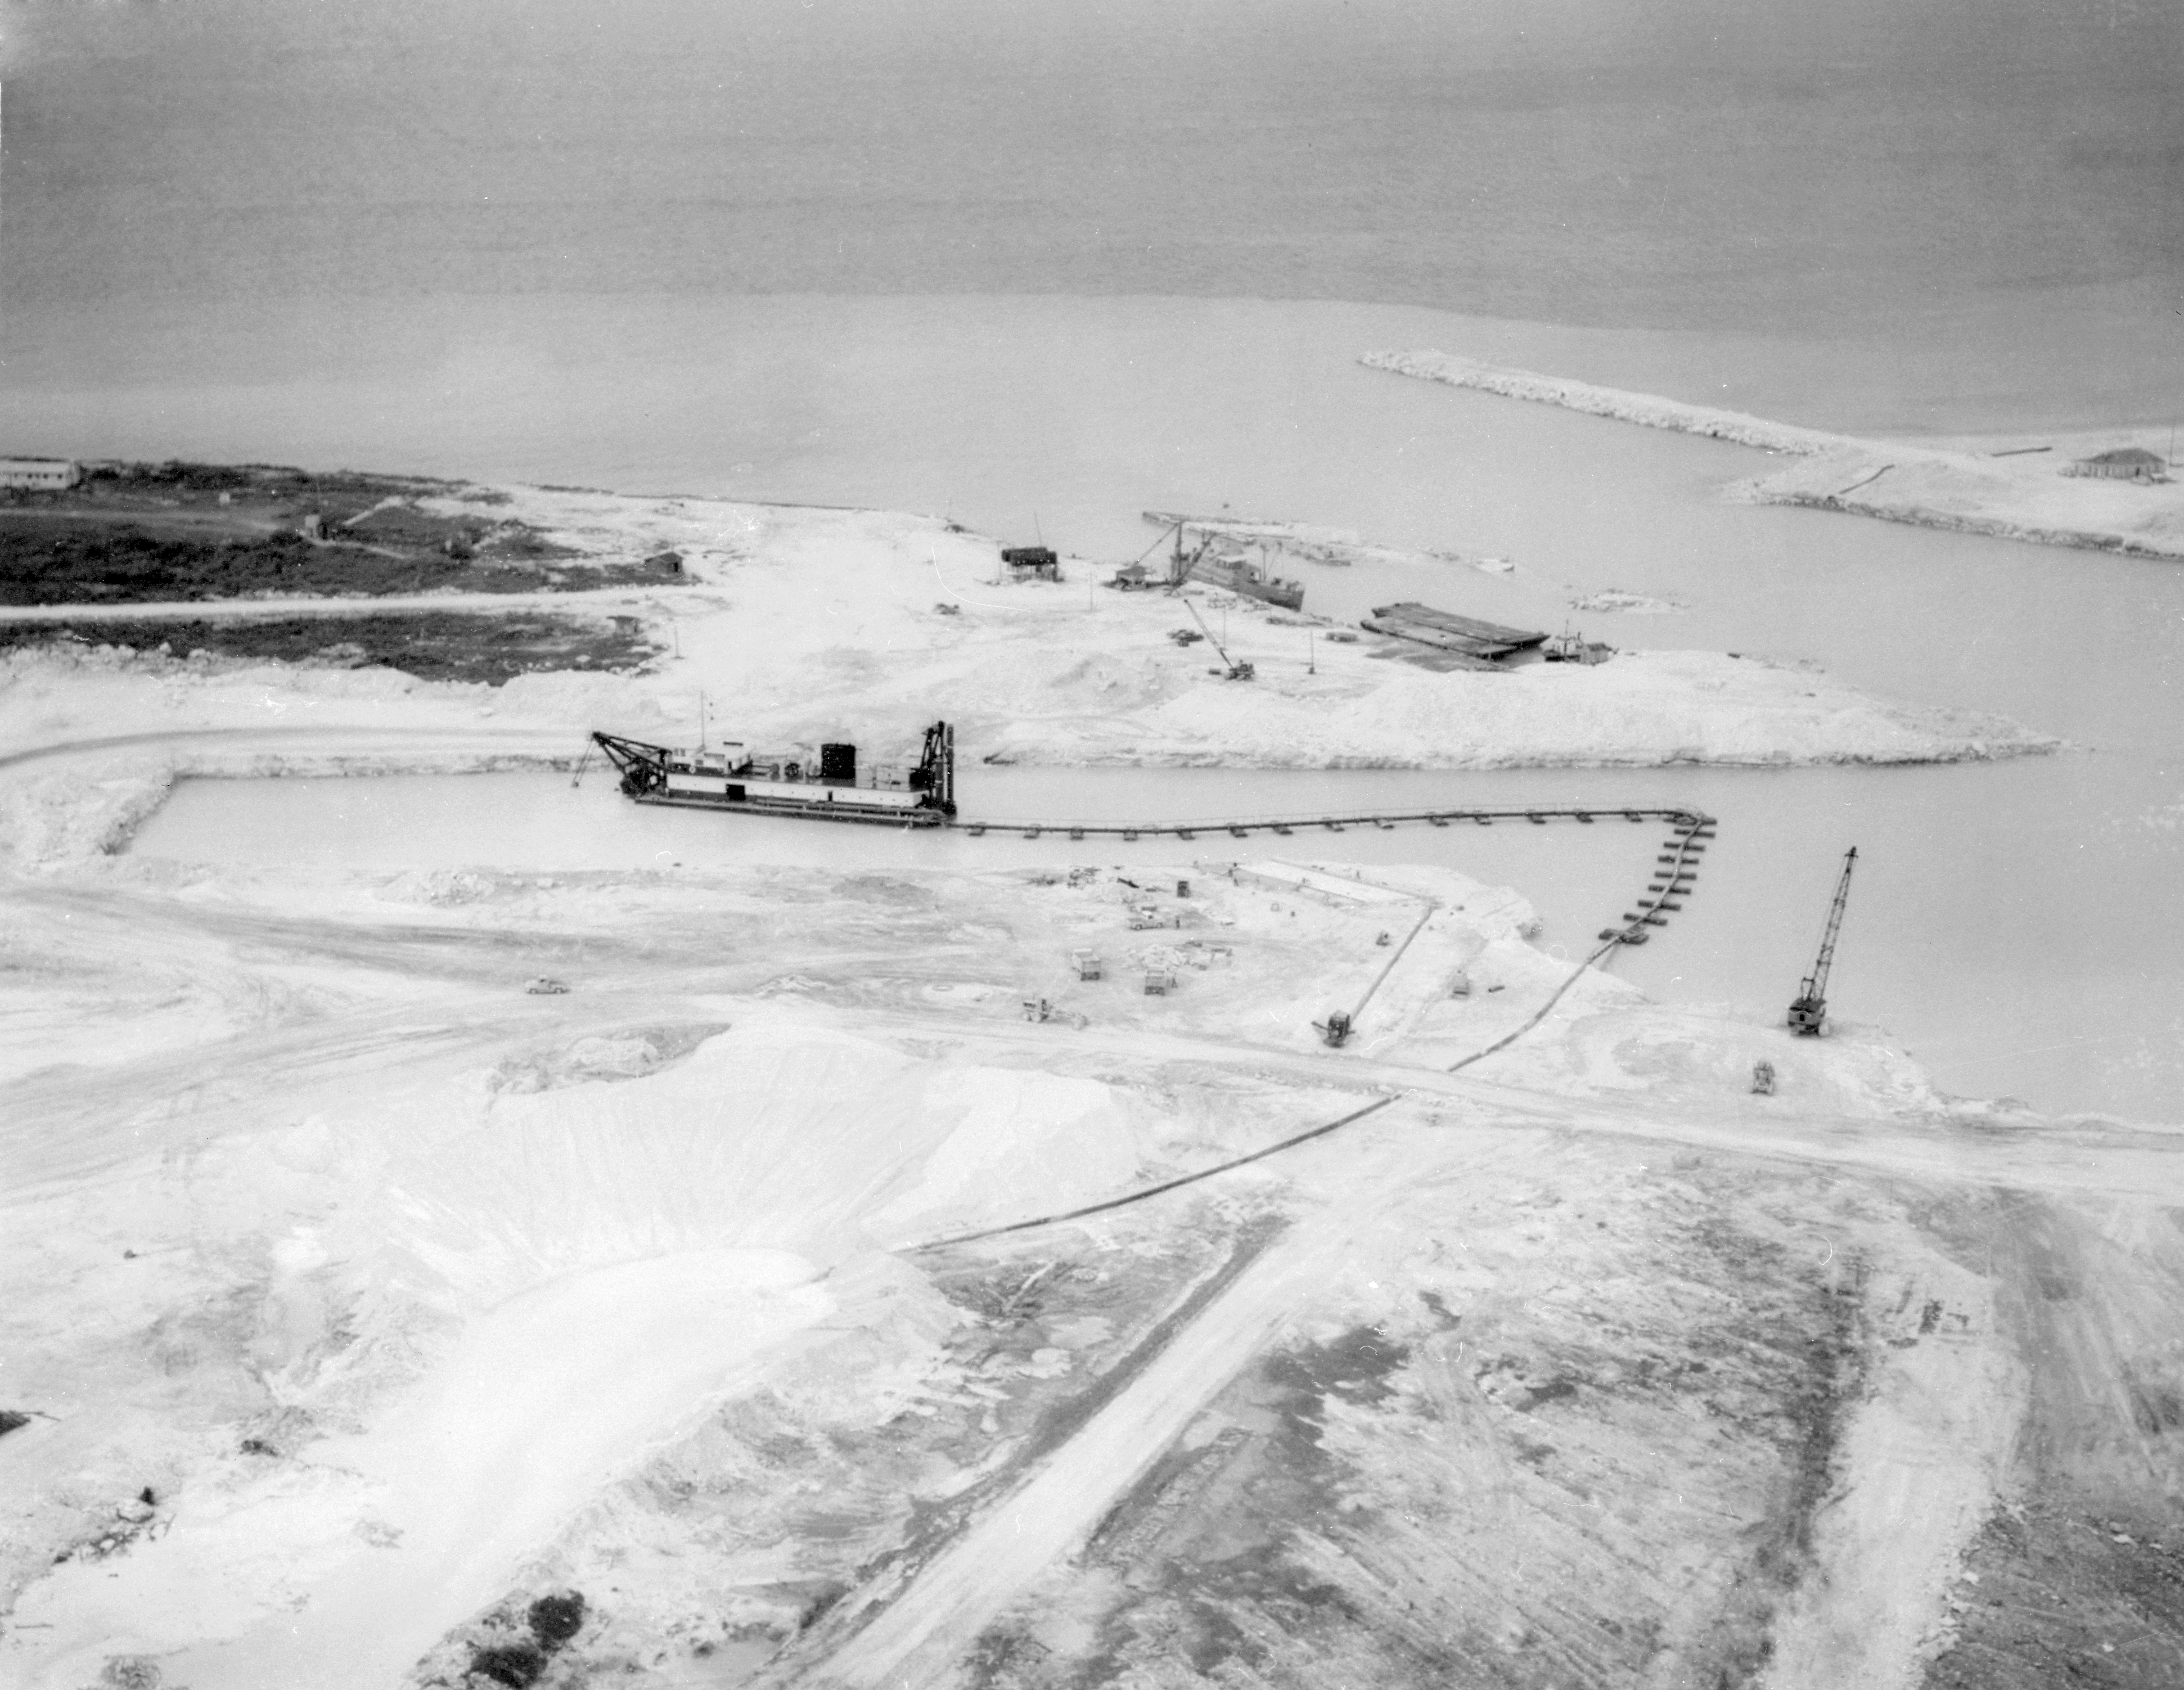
x=1989, y=186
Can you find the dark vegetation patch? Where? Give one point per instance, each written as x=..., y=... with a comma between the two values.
x=1016, y=1308
x=519, y=1664
x=1224, y=1511
x=2060, y=1595
x=557, y=1618
x=1265, y=1549
x=509, y=1645
x=1023, y=1298
x=2078, y=1578
x=48, y=561
x=140, y=533
x=12, y=1421
x=437, y=645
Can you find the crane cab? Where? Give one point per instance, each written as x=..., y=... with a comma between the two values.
x=1808, y=1016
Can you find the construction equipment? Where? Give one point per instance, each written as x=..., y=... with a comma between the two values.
x=1235, y=670
x=1762, y=1078
x=1334, y=1031
x=828, y=787
x=1809, y=1015
x=1087, y=964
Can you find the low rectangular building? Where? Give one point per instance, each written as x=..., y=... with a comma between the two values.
x=40, y=472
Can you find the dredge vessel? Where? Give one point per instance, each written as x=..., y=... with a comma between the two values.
x=1229, y=569
x=826, y=786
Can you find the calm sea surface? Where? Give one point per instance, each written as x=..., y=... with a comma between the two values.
x=1041, y=268
x=1991, y=185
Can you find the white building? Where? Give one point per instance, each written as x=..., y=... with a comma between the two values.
x=39, y=472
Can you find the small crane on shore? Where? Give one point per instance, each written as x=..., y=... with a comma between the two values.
x=1809, y=1015
x=1237, y=669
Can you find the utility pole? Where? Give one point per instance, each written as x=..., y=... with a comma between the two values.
x=1311, y=660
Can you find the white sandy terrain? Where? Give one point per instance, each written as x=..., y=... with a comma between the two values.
x=294, y=1578
x=1992, y=487
x=410, y=1298
x=783, y=1294
x=1929, y=1446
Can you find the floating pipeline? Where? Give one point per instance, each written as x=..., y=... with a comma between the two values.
x=1675, y=873
x=731, y=779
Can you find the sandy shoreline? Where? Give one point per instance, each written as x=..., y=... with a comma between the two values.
x=1992, y=487
x=802, y=624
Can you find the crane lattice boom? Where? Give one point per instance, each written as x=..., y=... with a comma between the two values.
x=1810, y=1010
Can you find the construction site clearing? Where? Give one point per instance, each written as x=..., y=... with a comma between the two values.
x=1231, y=1269
x=839, y=1282
x=806, y=623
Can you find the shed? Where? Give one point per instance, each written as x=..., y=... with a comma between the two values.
x=2124, y=464
x=39, y=472
x=1032, y=563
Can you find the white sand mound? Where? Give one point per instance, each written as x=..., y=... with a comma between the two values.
x=531, y=1292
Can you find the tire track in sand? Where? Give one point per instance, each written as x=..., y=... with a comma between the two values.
x=928, y=1623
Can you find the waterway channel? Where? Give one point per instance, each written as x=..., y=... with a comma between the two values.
x=1994, y=999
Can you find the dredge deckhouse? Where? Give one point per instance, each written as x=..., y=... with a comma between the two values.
x=827, y=785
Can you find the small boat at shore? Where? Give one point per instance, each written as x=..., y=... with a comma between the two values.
x=1569, y=647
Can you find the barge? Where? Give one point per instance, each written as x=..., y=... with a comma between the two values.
x=826, y=787
x=1465, y=636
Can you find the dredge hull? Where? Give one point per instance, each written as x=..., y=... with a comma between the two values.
x=819, y=810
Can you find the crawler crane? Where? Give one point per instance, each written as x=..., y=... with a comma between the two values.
x=1237, y=669
x=1809, y=1012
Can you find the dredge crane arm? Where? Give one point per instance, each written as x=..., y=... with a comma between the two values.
x=642, y=767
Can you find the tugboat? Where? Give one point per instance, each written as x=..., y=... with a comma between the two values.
x=1569, y=647
x=825, y=786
